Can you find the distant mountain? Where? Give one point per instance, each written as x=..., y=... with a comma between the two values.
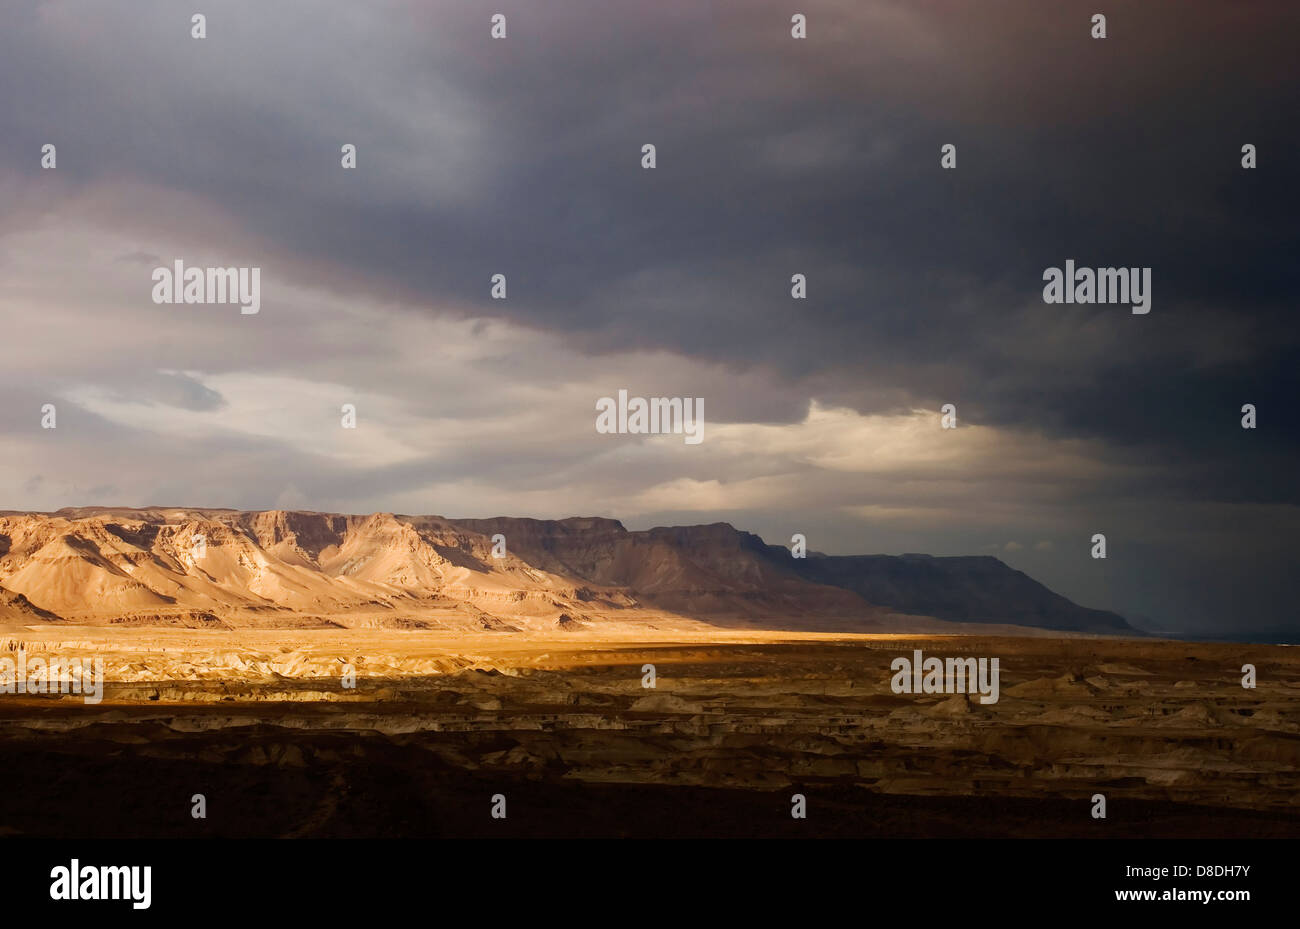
x=207, y=568
x=967, y=589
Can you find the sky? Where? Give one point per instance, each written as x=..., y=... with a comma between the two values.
x=522, y=156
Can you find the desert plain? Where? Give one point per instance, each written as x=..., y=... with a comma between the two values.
x=439, y=725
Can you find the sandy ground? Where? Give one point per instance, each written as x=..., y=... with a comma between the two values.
x=261, y=722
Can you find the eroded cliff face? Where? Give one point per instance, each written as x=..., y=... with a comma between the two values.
x=217, y=568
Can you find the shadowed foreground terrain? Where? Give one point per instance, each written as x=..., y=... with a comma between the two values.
x=261, y=725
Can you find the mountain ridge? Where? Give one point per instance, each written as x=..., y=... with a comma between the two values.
x=217, y=567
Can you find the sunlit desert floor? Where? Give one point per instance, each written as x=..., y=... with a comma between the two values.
x=259, y=722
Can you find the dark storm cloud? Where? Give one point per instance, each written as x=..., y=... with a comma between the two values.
x=775, y=156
